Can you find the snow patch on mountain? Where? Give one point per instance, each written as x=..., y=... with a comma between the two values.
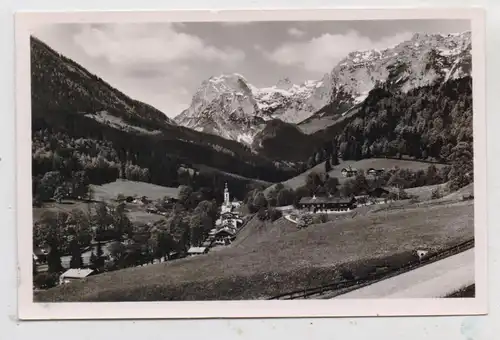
x=104, y=117
x=229, y=106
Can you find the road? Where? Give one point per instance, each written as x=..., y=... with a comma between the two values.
x=434, y=280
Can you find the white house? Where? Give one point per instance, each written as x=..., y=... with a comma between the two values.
x=197, y=250
x=75, y=274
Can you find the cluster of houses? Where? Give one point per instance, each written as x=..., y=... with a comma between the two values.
x=150, y=207
x=351, y=172
x=225, y=229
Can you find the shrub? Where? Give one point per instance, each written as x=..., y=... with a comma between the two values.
x=362, y=200
x=321, y=218
x=274, y=214
x=262, y=214
x=436, y=194
x=45, y=280
x=305, y=221
x=346, y=274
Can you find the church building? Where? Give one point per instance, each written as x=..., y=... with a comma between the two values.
x=227, y=205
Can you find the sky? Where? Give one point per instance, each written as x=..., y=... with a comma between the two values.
x=163, y=64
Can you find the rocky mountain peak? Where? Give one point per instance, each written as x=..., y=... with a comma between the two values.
x=231, y=106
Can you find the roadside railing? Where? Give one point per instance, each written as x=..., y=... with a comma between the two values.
x=349, y=285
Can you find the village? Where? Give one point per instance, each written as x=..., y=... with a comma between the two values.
x=224, y=230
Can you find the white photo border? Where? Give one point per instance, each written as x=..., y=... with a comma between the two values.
x=25, y=22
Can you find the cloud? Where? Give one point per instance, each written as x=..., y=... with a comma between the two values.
x=235, y=23
x=129, y=44
x=258, y=47
x=320, y=54
x=295, y=32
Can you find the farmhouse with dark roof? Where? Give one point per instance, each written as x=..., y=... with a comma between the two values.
x=327, y=204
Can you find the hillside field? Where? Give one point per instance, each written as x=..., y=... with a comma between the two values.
x=110, y=191
x=364, y=164
x=282, y=259
x=66, y=206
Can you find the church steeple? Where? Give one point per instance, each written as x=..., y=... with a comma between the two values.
x=226, y=196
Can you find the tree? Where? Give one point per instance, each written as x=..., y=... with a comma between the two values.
x=90, y=194
x=305, y=221
x=259, y=201
x=318, y=158
x=121, y=222
x=446, y=151
x=311, y=162
x=331, y=185
x=285, y=197
x=313, y=181
x=93, y=261
x=76, y=260
x=262, y=214
x=328, y=166
x=335, y=154
x=99, y=251
x=48, y=184
x=51, y=231
x=274, y=214
x=116, y=250
x=79, y=227
x=272, y=197
x=347, y=189
x=79, y=184
x=360, y=184
x=179, y=208
x=399, y=179
x=165, y=244
x=346, y=274
x=60, y=193
x=301, y=192
x=185, y=195
x=34, y=267
x=432, y=175
x=196, y=232
x=45, y=280
x=436, y=194
x=462, y=166
x=207, y=207
x=180, y=231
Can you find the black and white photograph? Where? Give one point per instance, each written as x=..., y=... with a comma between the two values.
x=260, y=160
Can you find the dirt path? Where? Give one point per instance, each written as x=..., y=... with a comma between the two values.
x=431, y=281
